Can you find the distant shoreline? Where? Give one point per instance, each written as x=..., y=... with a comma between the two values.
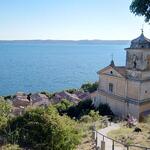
x=80, y=42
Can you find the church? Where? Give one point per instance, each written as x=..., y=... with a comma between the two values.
x=126, y=89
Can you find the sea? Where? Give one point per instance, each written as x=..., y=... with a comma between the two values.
x=38, y=66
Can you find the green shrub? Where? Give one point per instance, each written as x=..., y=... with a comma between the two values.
x=86, y=119
x=92, y=116
x=89, y=87
x=8, y=97
x=11, y=147
x=105, y=110
x=63, y=106
x=81, y=109
x=5, y=109
x=49, y=95
x=95, y=115
x=71, y=91
x=42, y=129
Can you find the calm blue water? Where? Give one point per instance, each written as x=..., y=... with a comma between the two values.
x=40, y=67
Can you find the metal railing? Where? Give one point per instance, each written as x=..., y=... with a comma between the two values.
x=101, y=143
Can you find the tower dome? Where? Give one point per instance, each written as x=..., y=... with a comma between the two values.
x=140, y=42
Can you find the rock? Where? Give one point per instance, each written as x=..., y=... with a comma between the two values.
x=137, y=130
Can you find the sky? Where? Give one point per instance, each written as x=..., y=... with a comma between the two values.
x=69, y=20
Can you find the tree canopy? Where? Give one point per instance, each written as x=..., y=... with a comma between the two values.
x=141, y=8
x=89, y=87
x=42, y=129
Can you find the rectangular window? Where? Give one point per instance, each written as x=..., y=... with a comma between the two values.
x=110, y=87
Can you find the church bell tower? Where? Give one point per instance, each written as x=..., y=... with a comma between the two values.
x=138, y=58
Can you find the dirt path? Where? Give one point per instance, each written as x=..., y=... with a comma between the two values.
x=108, y=142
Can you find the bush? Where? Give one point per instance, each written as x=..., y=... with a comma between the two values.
x=49, y=95
x=71, y=91
x=5, y=109
x=91, y=117
x=42, y=129
x=105, y=110
x=11, y=147
x=83, y=108
x=7, y=97
x=63, y=106
x=89, y=87
x=86, y=119
x=95, y=115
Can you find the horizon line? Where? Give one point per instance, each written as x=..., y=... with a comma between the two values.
x=62, y=40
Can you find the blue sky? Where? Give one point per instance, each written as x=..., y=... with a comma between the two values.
x=69, y=19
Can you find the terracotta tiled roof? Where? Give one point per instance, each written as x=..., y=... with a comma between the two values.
x=38, y=97
x=121, y=70
x=20, y=99
x=82, y=95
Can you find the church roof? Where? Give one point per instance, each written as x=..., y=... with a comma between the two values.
x=121, y=70
x=140, y=42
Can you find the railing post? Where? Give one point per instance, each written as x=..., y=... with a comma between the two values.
x=94, y=133
x=96, y=139
x=127, y=147
x=102, y=145
x=113, y=145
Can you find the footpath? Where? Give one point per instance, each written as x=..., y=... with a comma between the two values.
x=108, y=142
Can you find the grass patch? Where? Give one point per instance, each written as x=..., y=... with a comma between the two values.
x=119, y=132
x=127, y=136
x=87, y=142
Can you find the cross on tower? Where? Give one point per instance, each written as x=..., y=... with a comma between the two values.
x=112, y=57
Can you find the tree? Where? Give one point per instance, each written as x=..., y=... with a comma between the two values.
x=81, y=109
x=49, y=95
x=141, y=8
x=89, y=87
x=105, y=110
x=63, y=106
x=5, y=109
x=71, y=91
x=42, y=129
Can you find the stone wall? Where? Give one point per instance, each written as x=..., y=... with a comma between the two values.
x=118, y=84
x=145, y=90
x=138, y=58
x=119, y=107
x=145, y=107
x=133, y=89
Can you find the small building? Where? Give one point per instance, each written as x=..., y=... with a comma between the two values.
x=65, y=95
x=82, y=95
x=126, y=89
x=39, y=99
x=20, y=100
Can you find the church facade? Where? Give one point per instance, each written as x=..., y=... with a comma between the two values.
x=126, y=89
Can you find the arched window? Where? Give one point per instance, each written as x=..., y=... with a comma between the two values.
x=110, y=87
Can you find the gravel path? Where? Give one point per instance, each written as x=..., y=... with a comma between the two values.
x=108, y=142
